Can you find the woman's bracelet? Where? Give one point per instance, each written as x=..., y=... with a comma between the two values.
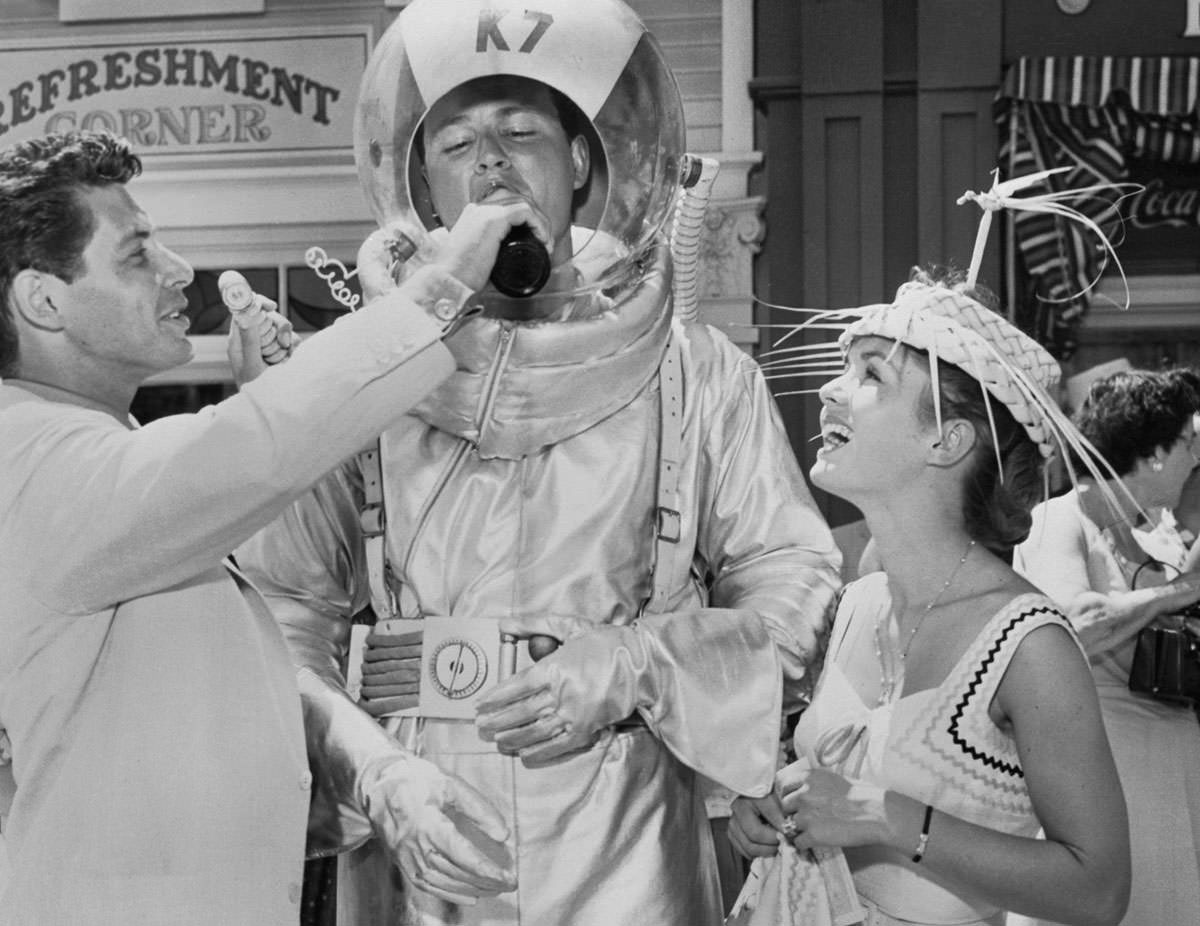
x=923, y=841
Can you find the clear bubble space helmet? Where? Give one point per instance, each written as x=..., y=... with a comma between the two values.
x=596, y=53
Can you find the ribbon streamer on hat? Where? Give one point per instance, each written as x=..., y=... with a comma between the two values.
x=1002, y=196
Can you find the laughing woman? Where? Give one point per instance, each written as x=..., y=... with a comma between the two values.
x=956, y=716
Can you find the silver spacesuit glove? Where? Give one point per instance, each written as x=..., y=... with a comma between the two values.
x=442, y=833
x=391, y=670
x=599, y=675
x=604, y=675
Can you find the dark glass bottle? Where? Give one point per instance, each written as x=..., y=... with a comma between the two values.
x=523, y=264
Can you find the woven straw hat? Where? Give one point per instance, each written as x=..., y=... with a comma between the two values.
x=951, y=326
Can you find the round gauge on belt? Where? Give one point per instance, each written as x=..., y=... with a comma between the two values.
x=458, y=667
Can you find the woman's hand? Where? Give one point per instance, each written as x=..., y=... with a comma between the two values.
x=831, y=810
x=755, y=825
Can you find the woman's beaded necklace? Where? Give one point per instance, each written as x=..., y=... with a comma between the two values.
x=890, y=677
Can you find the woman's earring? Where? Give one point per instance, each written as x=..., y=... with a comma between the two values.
x=1156, y=465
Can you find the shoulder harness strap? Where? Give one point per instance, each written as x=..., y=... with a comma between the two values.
x=668, y=521
x=373, y=521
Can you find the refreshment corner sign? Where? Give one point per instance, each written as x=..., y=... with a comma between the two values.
x=254, y=92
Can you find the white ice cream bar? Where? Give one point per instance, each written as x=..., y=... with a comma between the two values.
x=238, y=298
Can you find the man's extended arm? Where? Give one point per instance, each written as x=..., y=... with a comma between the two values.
x=169, y=500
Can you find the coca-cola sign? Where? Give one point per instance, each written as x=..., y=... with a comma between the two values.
x=1163, y=203
x=1159, y=232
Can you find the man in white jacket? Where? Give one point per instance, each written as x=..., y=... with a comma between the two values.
x=146, y=694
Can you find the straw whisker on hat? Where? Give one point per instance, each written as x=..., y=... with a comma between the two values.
x=818, y=319
x=797, y=356
x=1002, y=195
x=798, y=309
x=790, y=372
x=1110, y=253
x=834, y=320
x=826, y=374
x=935, y=383
x=830, y=363
x=1061, y=435
x=825, y=359
x=815, y=391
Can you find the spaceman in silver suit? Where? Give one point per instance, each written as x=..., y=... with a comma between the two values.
x=596, y=474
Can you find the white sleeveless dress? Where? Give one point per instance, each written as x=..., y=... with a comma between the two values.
x=938, y=746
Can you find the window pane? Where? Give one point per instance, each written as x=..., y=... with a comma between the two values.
x=311, y=305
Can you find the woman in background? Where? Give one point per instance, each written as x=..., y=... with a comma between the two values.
x=955, y=715
x=1113, y=574
x=1187, y=512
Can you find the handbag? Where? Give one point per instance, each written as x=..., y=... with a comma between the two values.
x=1166, y=664
x=1166, y=660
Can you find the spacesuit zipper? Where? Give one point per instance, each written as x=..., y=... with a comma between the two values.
x=488, y=395
x=491, y=384
x=459, y=452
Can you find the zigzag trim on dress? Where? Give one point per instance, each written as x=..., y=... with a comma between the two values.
x=960, y=709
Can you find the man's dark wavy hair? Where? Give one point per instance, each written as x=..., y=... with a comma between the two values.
x=44, y=225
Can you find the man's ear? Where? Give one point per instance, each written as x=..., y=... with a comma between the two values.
x=581, y=160
x=30, y=295
x=958, y=440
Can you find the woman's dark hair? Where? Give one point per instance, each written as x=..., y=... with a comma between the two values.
x=1190, y=377
x=997, y=512
x=1129, y=415
x=44, y=225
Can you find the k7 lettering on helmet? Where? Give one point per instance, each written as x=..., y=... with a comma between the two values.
x=489, y=30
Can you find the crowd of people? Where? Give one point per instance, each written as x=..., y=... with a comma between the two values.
x=580, y=483
x=1110, y=553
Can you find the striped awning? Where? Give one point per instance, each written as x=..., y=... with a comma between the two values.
x=1161, y=85
x=1092, y=115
